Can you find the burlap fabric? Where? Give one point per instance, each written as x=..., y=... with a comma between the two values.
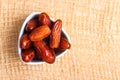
x=94, y=29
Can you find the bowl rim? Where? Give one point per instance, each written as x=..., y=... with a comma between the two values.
x=21, y=33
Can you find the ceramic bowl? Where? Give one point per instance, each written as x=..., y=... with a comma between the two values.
x=32, y=15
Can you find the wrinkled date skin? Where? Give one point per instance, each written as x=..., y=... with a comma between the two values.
x=47, y=53
x=25, y=42
x=64, y=44
x=56, y=34
x=44, y=19
x=31, y=25
x=28, y=55
x=40, y=33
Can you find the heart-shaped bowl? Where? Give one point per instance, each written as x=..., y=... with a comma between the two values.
x=31, y=16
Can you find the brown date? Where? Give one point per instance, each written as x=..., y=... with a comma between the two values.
x=37, y=54
x=64, y=44
x=31, y=25
x=40, y=33
x=56, y=34
x=44, y=19
x=25, y=42
x=28, y=55
x=47, y=53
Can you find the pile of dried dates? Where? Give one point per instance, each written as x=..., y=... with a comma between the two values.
x=42, y=38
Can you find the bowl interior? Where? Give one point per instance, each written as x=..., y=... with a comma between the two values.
x=31, y=16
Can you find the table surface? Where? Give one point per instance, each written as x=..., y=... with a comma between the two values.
x=94, y=29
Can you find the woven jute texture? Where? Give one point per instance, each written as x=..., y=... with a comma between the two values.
x=94, y=29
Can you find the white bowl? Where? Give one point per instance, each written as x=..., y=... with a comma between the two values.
x=32, y=15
